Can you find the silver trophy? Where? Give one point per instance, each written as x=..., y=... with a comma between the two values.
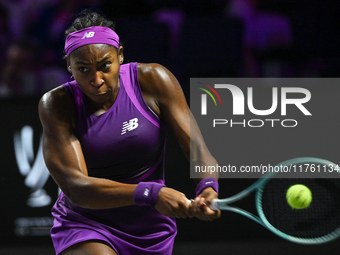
x=34, y=169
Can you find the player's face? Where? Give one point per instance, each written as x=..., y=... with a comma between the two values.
x=95, y=67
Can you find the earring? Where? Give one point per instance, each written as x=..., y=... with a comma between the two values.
x=69, y=69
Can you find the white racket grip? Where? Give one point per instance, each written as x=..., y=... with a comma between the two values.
x=214, y=205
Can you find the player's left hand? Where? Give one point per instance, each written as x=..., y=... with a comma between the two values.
x=199, y=207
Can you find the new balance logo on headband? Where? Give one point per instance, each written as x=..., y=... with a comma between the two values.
x=88, y=35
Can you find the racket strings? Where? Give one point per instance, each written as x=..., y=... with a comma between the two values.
x=321, y=218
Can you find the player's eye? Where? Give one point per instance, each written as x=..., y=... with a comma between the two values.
x=83, y=69
x=106, y=65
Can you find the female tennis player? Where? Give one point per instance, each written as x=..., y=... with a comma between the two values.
x=104, y=143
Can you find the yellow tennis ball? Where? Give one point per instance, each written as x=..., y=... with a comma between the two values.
x=299, y=196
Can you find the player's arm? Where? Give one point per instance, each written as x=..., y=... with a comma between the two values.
x=64, y=158
x=165, y=97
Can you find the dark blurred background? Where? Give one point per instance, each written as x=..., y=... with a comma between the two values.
x=192, y=38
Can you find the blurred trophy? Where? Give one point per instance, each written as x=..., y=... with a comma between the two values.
x=34, y=169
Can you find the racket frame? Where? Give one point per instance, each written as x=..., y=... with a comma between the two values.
x=258, y=187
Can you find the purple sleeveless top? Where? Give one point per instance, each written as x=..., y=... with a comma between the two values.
x=125, y=144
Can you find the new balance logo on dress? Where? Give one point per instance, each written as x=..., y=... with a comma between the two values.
x=88, y=35
x=129, y=125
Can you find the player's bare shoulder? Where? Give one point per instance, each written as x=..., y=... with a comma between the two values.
x=156, y=79
x=56, y=105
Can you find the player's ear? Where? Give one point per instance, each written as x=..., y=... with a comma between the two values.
x=120, y=54
x=68, y=63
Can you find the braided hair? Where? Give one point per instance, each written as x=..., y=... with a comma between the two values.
x=87, y=19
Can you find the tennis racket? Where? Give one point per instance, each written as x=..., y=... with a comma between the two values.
x=316, y=224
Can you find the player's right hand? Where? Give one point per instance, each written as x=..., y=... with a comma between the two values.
x=173, y=203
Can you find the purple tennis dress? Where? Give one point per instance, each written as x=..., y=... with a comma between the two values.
x=125, y=144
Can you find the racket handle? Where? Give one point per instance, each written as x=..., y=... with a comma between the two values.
x=214, y=204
